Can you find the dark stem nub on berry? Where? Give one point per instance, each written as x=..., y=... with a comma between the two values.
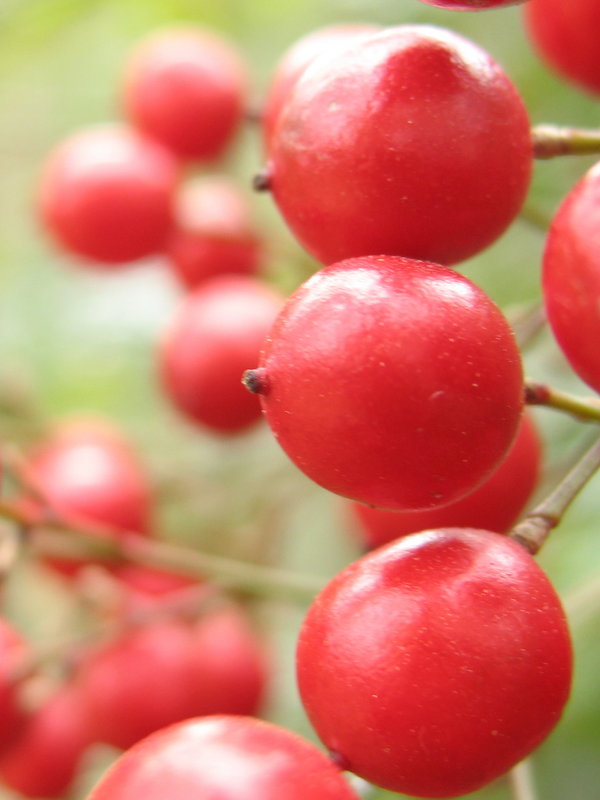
x=339, y=760
x=255, y=380
x=262, y=181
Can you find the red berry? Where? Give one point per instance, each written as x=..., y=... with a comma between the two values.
x=297, y=58
x=106, y=194
x=229, y=758
x=160, y=673
x=213, y=233
x=13, y=654
x=414, y=142
x=88, y=475
x=434, y=664
x=216, y=333
x=185, y=87
x=394, y=382
x=571, y=277
x=45, y=758
x=566, y=35
x=494, y=506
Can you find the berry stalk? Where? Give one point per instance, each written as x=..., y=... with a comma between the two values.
x=535, y=528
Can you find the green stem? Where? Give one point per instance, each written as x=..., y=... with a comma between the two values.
x=556, y=140
x=535, y=217
x=56, y=537
x=584, y=409
x=533, y=531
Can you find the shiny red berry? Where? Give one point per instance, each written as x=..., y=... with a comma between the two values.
x=87, y=474
x=414, y=142
x=494, y=506
x=297, y=58
x=45, y=758
x=185, y=87
x=213, y=233
x=434, y=664
x=390, y=381
x=106, y=195
x=571, y=277
x=566, y=36
x=217, y=331
x=211, y=666
x=229, y=758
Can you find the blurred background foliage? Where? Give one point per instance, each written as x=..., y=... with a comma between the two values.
x=74, y=340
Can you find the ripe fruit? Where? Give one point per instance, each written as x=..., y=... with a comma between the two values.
x=386, y=148
x=297, y=58
x=185, y=87
x=43, y=761
x=158, y=674
x=434, y=664
x=390, y=381
x=495, y=505
x=230, y=758
x=13, y=653
x=217, y=331
x=106, y=194
x=213, y=233
x=571, y=277
x=89, y=476
x=566, y=35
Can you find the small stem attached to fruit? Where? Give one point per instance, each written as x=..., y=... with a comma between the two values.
x=555, y=140
x=540, y=394
x=255, y=380
x=534, y=530
x=520, y=780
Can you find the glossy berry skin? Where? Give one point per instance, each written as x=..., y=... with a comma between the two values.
x=571, y=277
x=89, y=475
x=223, y=758
x=158, y=674
x=495, y=505
x=470, y=5
x=44, y=759
x=391, y=381
x=185, y=87
x=216, y=333
x=213, y=233
x=566, y=36
x=106, y=195
x=384, y=148
x=434, y=664
x=297, y=58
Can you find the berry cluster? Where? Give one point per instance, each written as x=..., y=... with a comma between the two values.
x=437, y=661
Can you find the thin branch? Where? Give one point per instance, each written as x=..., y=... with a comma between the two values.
x=57, y=537
x=535, y=528
x=582, y=408
x=550, y=141
x=520, y=780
